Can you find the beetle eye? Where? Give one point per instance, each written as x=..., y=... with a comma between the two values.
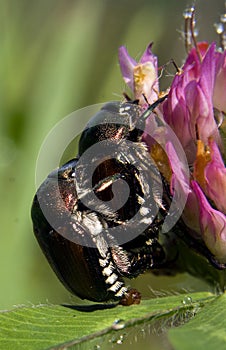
x=66, y=174
x=67, y=171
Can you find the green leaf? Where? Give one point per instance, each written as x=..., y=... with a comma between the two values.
x=60, y=327
x=207, y=331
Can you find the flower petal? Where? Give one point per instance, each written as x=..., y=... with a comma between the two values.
x=141, y=77
x=127, y=64
x=215, y=176
x=213, y=226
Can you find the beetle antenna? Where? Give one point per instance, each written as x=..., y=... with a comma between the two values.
x=145, y=99
x=175, y=66
x=127, y=97
x=153, y=106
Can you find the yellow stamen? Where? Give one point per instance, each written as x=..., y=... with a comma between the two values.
x=163, y=93
x=143, y=74
x=203, y=157
x=161, y=160
x=139, y=75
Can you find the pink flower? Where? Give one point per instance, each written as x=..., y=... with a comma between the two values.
x=180, y=188
x=189, y=107
x=142, y=76
x=210, y=172
x=196, y=184
x=213, y=226
x=180, y=176
x=178, y=116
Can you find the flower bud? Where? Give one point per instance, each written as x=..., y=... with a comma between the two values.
x=213, y=226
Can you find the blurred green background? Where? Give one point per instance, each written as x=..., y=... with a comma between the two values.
x=56, y=57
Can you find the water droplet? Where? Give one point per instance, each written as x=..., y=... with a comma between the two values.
x=219, y=27
x=117, y=340
x=120, y=340
x=196, y=32
x=118, y=324
x=187, y=300
x=223, y=18
x=188, y=13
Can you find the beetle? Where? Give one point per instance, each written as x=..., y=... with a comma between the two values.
x=92, y=232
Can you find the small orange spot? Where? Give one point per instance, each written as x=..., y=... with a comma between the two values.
x=139, y=75
x=203, y=157
x=163, y=93
x=144, y=76
x=161, y=160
